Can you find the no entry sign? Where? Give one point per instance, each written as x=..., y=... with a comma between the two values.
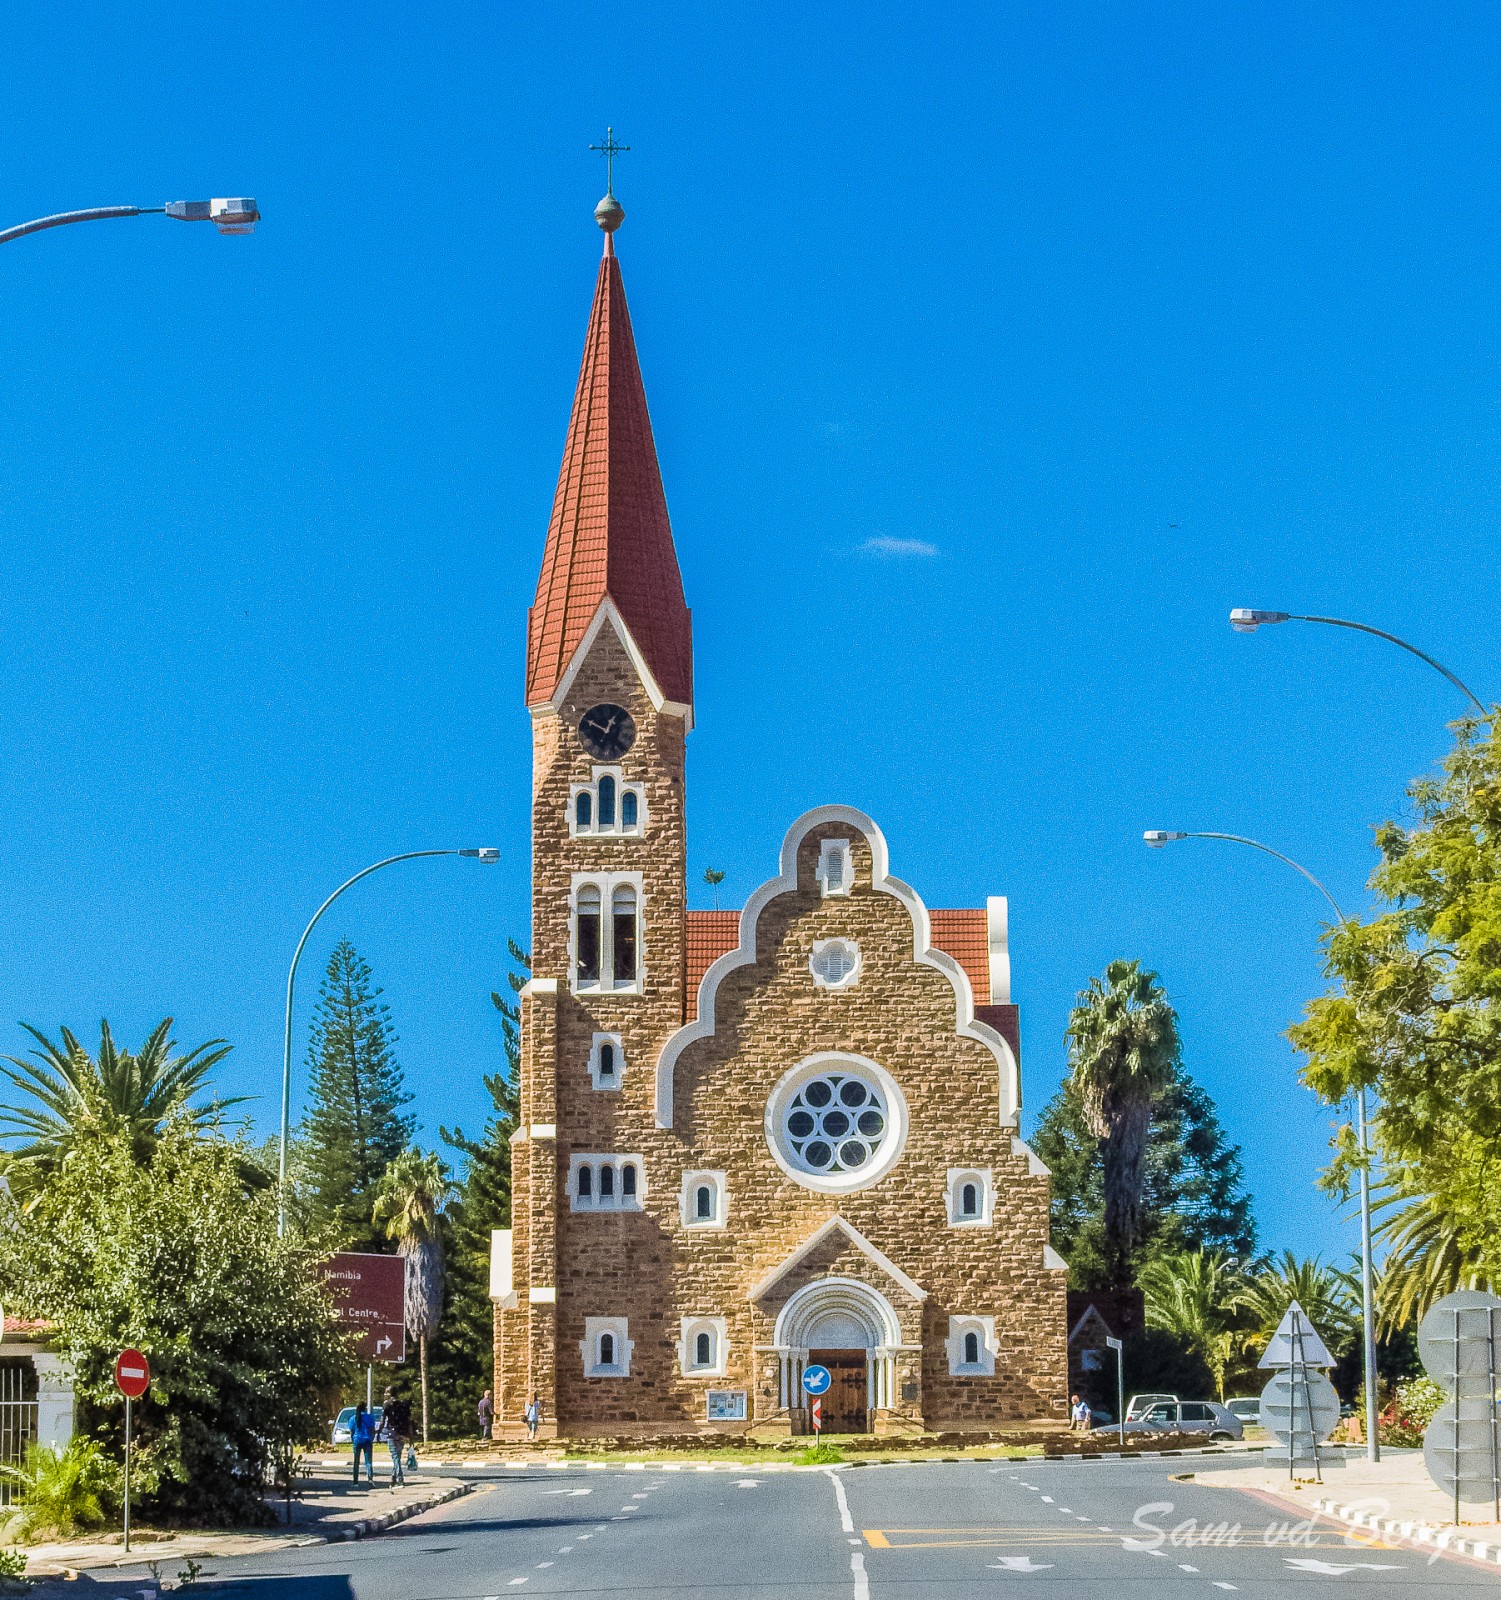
x=132, y=1375
x=369, y=1295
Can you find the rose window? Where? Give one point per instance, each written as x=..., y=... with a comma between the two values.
x=835, y=1123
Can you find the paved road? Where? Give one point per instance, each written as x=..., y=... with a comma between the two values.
x=1060, y=1531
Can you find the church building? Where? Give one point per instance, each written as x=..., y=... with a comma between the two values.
x=748, y=1141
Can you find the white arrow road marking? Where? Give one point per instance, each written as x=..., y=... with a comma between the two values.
x=747, y=1483
x=1328, y=1569
x=1021, y=1564
x=568, y=1491
x=1134, y=1544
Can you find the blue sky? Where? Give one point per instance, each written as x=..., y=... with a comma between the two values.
x=1130, y=313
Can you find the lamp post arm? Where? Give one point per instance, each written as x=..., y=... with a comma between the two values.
x=1422, y=655
x=1256, y=844
x=94, y=214
x=286, y=1059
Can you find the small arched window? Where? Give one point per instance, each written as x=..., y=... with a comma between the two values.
x=607, y=802
x=607, y=1060
x=607, y=1183
x=588, y=933
x=628, y=1180
x=628, y=809
x=969, y=1201
x=703, y=1203
x=586, y=1183
x=607, y=1348
x=972, y=1349
x=623, y=928
x=703, y=1350
x=583, y=810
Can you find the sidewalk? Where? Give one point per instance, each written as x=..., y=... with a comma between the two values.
x=1393, y=1497
x=331, y=1508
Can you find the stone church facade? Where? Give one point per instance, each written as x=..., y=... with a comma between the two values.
x=747, y=1140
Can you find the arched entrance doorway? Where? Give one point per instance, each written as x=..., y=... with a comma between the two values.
x=849, y=1328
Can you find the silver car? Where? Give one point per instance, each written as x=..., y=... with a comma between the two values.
x=1190, y=1416
x=345, y=1421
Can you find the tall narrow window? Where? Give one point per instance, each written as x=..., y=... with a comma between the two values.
x=583, y=810
x=588, y=934
x=607, y=1183
x=607, y=1060
x=628, y=1181
x=703, y=1350
x=607, y=802
x=623, y=929
x=703, y=1205
x=969, y=1202
x=607, y=1349
x=971, y=1349
x=586, y=1183
x=628, y=809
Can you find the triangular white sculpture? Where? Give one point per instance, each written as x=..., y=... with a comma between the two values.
x=1296, y=1343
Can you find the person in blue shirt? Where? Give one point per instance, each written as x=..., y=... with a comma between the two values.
x=362, y=1435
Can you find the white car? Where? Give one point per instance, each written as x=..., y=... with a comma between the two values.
x=345, y=1421
x=1247, y=1408
x=1189, y=1416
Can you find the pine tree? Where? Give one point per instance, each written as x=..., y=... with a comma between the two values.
x=1193, y=1189
x=354, y=1128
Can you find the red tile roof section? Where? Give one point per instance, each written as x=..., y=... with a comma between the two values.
x=964, y=935
x=609, y=533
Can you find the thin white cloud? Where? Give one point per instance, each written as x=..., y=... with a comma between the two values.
x=898, y=549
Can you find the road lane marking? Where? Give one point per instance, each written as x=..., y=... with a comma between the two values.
x=846, y=1521
x=1183, y=1566
x=1021, y=1564
x=876, y=1539
x=541, y=1564
x=1330, y=1569
x=1219, y=1585
x=857, y=1571
x=1047, y=1499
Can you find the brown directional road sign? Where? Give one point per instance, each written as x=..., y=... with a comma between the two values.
x=369, y=1293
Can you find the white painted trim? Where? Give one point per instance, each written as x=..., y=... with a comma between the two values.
x=544, y=1130
x=984, y=1329
x=542, y=1296
x=1035, y=1165
x=849, y=980
x=538, y=986
x=997, y=918
x=608, y=612
x=826, y=853
x=1052, y=1261
x=837, y=1295
x=607, y=883
x=598, y=1162
x=887, y=1153
x=984, y=1179
x=619, y=1329
x=601, y=1082
x=623, y=786
x=719, y=1345
x=502, y=1280
x=688, y=1201
x=744, y=954
x=856, y=1238
x=1091, y=1310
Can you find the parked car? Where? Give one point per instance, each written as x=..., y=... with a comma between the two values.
x=345, y=1421
x=1247, y=1408
x=1139, y=1404
x=1189, y=1416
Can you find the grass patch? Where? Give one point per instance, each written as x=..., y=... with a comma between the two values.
x=821, y=1454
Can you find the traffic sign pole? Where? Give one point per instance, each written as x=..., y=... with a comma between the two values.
x=1119, y=1345
x=127, y=1474
x=132, y=1379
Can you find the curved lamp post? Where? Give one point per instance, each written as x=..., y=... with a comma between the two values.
x=1244, y=621
x=239, y=215
x=1156, y=838
x=485, y=854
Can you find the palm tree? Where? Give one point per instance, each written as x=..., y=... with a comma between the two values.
x=408, y=1203
x=121, y=1093
x=1328, y=1297
x=1426, y=1256
x=1123, y=1050
x=1196, y=1295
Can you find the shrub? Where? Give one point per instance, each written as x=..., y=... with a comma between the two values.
x=60, y=1491
x=821, y=1454
x=1411, y=1410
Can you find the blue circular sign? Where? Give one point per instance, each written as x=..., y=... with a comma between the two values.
x=816, y=1380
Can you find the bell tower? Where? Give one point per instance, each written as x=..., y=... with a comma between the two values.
x=609, y=688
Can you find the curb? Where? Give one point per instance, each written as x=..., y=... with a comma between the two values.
x=372, y=1525
x=1440, y=1538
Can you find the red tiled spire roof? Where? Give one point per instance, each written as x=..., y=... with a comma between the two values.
x=609, y=534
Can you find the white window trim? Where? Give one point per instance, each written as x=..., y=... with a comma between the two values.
x=617, y=829
x=718, y=1330
x=589, y=1347
x=596, y=1163
x=984, y=1179
x=596, y=1076
x=827, y=850
x=607, y=883
x=850, y=979
x=688, y=1200
x=815, y=1066
x=984, y=1327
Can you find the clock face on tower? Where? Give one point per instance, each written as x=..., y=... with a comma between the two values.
x=607, y=732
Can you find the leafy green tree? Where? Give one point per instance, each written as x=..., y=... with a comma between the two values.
x=1328, y=1296
x=1426, y=1256
x=408, y=1204
x=1196, y=1295
x=70, y=1095
x=1416, y=1011
x=354, y=1128
x=175, y=1255
x=1193, y=1189
x=1123, y=1049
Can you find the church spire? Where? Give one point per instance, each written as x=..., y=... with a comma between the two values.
x=610, y=537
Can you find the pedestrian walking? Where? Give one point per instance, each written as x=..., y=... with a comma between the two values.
x=486, y=1412
x=396, y=1429
x=533, y=1415
x=362, y=1437
x=1079, y=1415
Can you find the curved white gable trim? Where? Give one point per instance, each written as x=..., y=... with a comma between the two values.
x=609, y=612
x=744, y=954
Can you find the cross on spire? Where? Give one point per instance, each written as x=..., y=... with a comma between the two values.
x=609, y=149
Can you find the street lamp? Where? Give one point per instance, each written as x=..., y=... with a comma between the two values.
x=1155, y=839
x=238, y=215
x=1245, y=621
x=487, y=853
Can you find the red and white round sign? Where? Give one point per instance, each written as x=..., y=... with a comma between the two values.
x=132, y=1375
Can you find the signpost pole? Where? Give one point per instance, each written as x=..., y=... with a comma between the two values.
x=370, y=1387
x=1119, y=1345
x=127, y=1474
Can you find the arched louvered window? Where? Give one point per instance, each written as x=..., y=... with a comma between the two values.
x=607, y=1349
x=607, y=1183
x=583, y=810
x=628, y=1181
x=607, y=802
x=623, y=931
x=703, y=1205
x=628, y=811
x=607, y=1060
x=972, y=1349
x=585, y=1183
x=703, y=1350
x=969, y=1201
